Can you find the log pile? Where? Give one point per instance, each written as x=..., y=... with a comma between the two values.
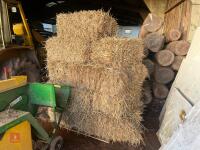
x=164, y=55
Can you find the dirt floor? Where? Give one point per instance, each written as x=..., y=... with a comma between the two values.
x=80, y=142
x=73, y=141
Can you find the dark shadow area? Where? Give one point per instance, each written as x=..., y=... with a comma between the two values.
x=127, y=12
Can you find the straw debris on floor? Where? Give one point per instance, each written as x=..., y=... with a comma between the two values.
x=106, y=73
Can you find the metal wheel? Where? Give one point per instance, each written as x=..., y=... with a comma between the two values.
x=57, y=143
x=39, y=145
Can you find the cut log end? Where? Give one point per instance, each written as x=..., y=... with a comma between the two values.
x=165, y=57
x=173, y=35
x=160, y=91
x=172, y=46
x=181, y=48
x=177, y=62
x=152, y=23
x=154, y=42
x=163, y=75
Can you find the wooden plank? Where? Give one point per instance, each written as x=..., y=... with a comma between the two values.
x=187, y=135
x=173, y=19
x=195, y=20
x=190, y=72
x=179, y=18
x=157, y=7
x=195, y=2
x=172, y=3
x=174, y=106
x=186, y=19
x=194, y=51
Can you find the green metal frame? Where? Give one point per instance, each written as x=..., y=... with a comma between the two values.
x=42, y=94
x=62, y=96
x=33, y=95
x=7, y=97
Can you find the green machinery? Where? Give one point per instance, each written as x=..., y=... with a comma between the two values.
x=23, y=101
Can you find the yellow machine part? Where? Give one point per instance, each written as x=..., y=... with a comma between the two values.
x=29, y=39
x=14, y=82
x=17, y=138
x=22, y=29
x=18, y=29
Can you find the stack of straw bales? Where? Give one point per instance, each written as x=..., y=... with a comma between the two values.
x=76, y=32
x=106, y=73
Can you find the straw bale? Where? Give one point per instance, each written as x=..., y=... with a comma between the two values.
x=97, y=102
x=105, y=127
x=95, y=76
x=82, y=117
x=67, y=51
x=89, y=25
x=105, y=87
x=105, y=102
x=117, y=52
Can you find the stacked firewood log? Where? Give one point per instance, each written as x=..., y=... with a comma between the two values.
x=164, y=54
